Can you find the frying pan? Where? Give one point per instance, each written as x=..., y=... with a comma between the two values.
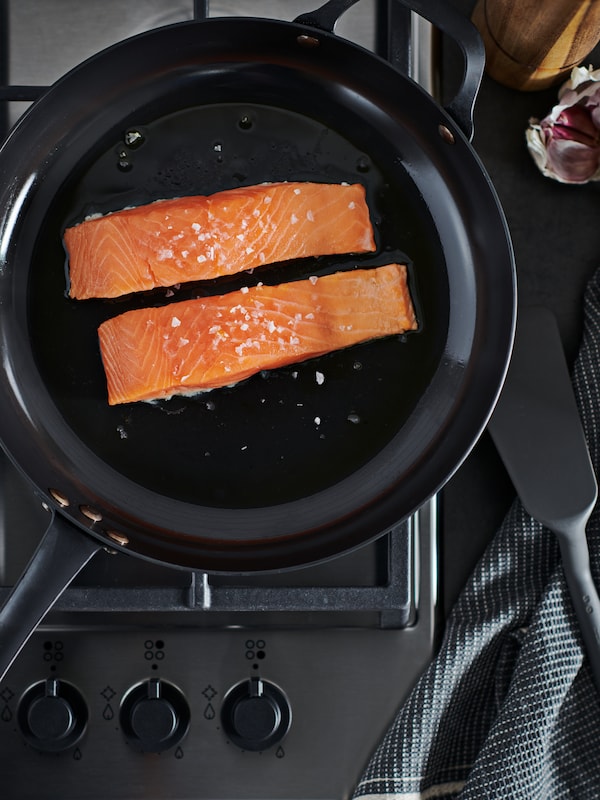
x=287, y=468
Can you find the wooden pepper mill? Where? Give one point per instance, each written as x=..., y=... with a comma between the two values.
x=531, y=44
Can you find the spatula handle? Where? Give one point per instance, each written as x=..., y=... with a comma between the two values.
x=584, y=595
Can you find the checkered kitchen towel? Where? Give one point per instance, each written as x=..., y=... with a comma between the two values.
x=508, y=708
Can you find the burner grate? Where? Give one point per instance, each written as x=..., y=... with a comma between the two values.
x=392, y=40
x=392, y=599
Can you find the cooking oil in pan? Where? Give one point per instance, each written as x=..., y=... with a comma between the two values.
x=280, y=435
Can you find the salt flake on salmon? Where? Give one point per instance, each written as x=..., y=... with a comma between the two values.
x=203, y=237
x=221, y=340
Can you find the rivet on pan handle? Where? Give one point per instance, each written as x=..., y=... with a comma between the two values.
x=448, y=20
x=91, y=513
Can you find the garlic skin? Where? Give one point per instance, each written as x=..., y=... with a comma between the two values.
x=565, y=145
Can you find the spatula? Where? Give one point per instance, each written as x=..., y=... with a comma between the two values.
x=537, y=430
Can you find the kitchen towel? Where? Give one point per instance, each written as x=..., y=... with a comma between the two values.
x=508, y=708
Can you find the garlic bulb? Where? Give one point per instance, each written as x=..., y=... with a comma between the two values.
x=565, y=145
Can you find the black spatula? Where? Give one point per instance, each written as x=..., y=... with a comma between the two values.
x=537, y=430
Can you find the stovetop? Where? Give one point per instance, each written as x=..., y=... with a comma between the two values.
x=244, y=704
x=147, y=681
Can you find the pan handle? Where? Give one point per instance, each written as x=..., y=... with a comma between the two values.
x=62, y=553
x=450, y=22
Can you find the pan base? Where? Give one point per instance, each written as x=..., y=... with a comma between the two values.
x=279, y=436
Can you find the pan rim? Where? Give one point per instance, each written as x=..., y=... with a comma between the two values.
x=22, y=193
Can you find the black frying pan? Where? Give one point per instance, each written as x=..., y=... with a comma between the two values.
x=283, y=469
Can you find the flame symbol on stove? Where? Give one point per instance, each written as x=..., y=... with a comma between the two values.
x=108, y=712
x=209, y=711
x=280, y=752
x=6, y=714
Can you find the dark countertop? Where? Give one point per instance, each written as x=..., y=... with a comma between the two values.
x=556, y=239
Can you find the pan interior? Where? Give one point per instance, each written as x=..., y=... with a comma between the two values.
x=278, y=436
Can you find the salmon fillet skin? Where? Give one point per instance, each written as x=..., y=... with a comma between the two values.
x=169, y=242
x=202, y=344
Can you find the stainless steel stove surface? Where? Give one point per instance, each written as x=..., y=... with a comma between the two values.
x=151, y=682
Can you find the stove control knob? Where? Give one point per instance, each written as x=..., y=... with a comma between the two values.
x=154, y=716
x=255, y=714
x=52, y=715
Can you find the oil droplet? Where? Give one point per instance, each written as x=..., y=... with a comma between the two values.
x=134, y=138
x=363, y=164
x=353, y=418
x=245, y=122
x=357, y=365
x=123, y=162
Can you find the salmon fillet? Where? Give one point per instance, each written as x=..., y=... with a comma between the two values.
x=197, y=238
x=201, y=344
